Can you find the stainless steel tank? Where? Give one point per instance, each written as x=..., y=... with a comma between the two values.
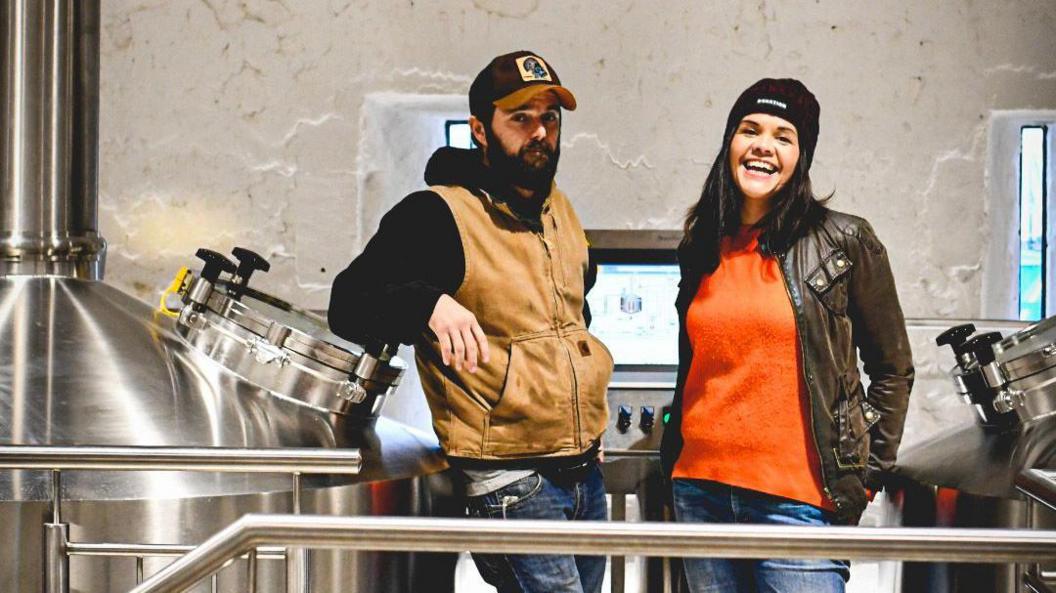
x=82, y=363
x=966, y=476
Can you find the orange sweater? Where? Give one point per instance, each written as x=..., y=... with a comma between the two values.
x=746, y=416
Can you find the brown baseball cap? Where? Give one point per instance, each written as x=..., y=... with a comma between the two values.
x=511, y=80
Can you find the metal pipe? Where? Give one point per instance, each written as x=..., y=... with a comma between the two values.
x=251, y=571
x=297, y=558
x=84, y=162
x=405, y=534
x=56, y=496
x=56, y=100
x=56, y=561
x=208, y=459
x=49, y=116
x=1038, y=484
x=126, y=550
x=296, y=493
x=618, y=577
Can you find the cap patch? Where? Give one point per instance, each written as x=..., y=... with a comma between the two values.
x=533, y=68
x=774, y=102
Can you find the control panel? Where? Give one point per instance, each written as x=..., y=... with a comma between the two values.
x=637, y=419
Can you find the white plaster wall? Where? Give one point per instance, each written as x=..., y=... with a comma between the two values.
x=259, y=122
x=229, y=121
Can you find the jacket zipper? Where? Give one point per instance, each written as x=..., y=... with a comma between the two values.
x=561, y=339
x=810, y=391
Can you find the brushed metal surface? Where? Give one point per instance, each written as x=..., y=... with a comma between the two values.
x=978, y=461
x=81, y=363
x=49, y=54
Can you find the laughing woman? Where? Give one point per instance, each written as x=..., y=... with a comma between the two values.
x=778, y=296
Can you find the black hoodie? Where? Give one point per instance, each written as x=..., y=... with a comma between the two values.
x=390, y=290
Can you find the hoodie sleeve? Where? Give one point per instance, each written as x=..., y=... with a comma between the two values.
x=590, y=277
x=389, y=291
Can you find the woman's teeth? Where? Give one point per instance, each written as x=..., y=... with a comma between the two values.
x=761, y=167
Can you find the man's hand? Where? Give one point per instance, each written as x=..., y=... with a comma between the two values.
x=460, y=336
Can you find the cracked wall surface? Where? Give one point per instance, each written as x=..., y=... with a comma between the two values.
x=245, y=122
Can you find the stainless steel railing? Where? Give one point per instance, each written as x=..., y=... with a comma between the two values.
x=196, y=459
x=59, y=548
x=562, y=537
x=1040, y=487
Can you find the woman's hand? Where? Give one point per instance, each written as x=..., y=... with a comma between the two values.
x=461, y=339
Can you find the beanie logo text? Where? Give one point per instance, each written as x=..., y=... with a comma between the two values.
x=774, y=102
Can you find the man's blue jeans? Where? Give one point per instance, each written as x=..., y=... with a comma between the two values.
x=541, y=497
x=711, y=502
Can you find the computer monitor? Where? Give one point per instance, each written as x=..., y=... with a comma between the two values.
x=632, y=304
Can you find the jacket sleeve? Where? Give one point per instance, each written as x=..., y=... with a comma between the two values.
x=389, y=291
x=879, y=330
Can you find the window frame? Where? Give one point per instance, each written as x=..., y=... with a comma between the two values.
x=1000, y=282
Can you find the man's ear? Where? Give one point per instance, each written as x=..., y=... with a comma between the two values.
x=477, y=128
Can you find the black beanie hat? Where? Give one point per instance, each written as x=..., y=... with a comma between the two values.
x=786, y=98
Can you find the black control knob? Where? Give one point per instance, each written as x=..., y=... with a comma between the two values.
x=248, y=262
x=648, y=419
x=215, y=264
x=982, y=347
x=623, y=417
x=955, y=337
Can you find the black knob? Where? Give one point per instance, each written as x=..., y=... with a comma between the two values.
x=982, y=347
x=648, y=418
x=623, y=418
x=955, y=337
x=379, y=349
x=215, y=264
x=248, y=262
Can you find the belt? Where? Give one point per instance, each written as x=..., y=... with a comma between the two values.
x=548, y=465
x=574, y=473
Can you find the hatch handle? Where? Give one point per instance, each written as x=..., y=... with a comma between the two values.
x=248, y=262
x=215, y=264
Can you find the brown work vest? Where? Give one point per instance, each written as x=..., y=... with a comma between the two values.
x=543, y=391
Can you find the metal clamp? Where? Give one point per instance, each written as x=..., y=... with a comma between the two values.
x=266, y=353
x=352, y=391
x=190, y=318
x=993, y=375
x=1008, y=400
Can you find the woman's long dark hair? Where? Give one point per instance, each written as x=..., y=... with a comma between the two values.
x=718, y=214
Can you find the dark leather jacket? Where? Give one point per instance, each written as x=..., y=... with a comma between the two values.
x=843, y=294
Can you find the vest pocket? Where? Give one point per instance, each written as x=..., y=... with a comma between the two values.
x=592, y=363
x=534, y=413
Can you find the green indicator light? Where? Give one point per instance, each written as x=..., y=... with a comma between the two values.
x=667, y=417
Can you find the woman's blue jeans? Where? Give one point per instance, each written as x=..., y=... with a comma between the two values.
x=711, y=502
x=540, y=496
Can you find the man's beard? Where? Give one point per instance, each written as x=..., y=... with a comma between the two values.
x=534, y=172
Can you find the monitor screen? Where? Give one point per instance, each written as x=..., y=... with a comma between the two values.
x=633, y=311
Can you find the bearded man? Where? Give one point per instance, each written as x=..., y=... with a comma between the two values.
x=486, y=273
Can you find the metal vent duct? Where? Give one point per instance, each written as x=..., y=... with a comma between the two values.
x=49, y=122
